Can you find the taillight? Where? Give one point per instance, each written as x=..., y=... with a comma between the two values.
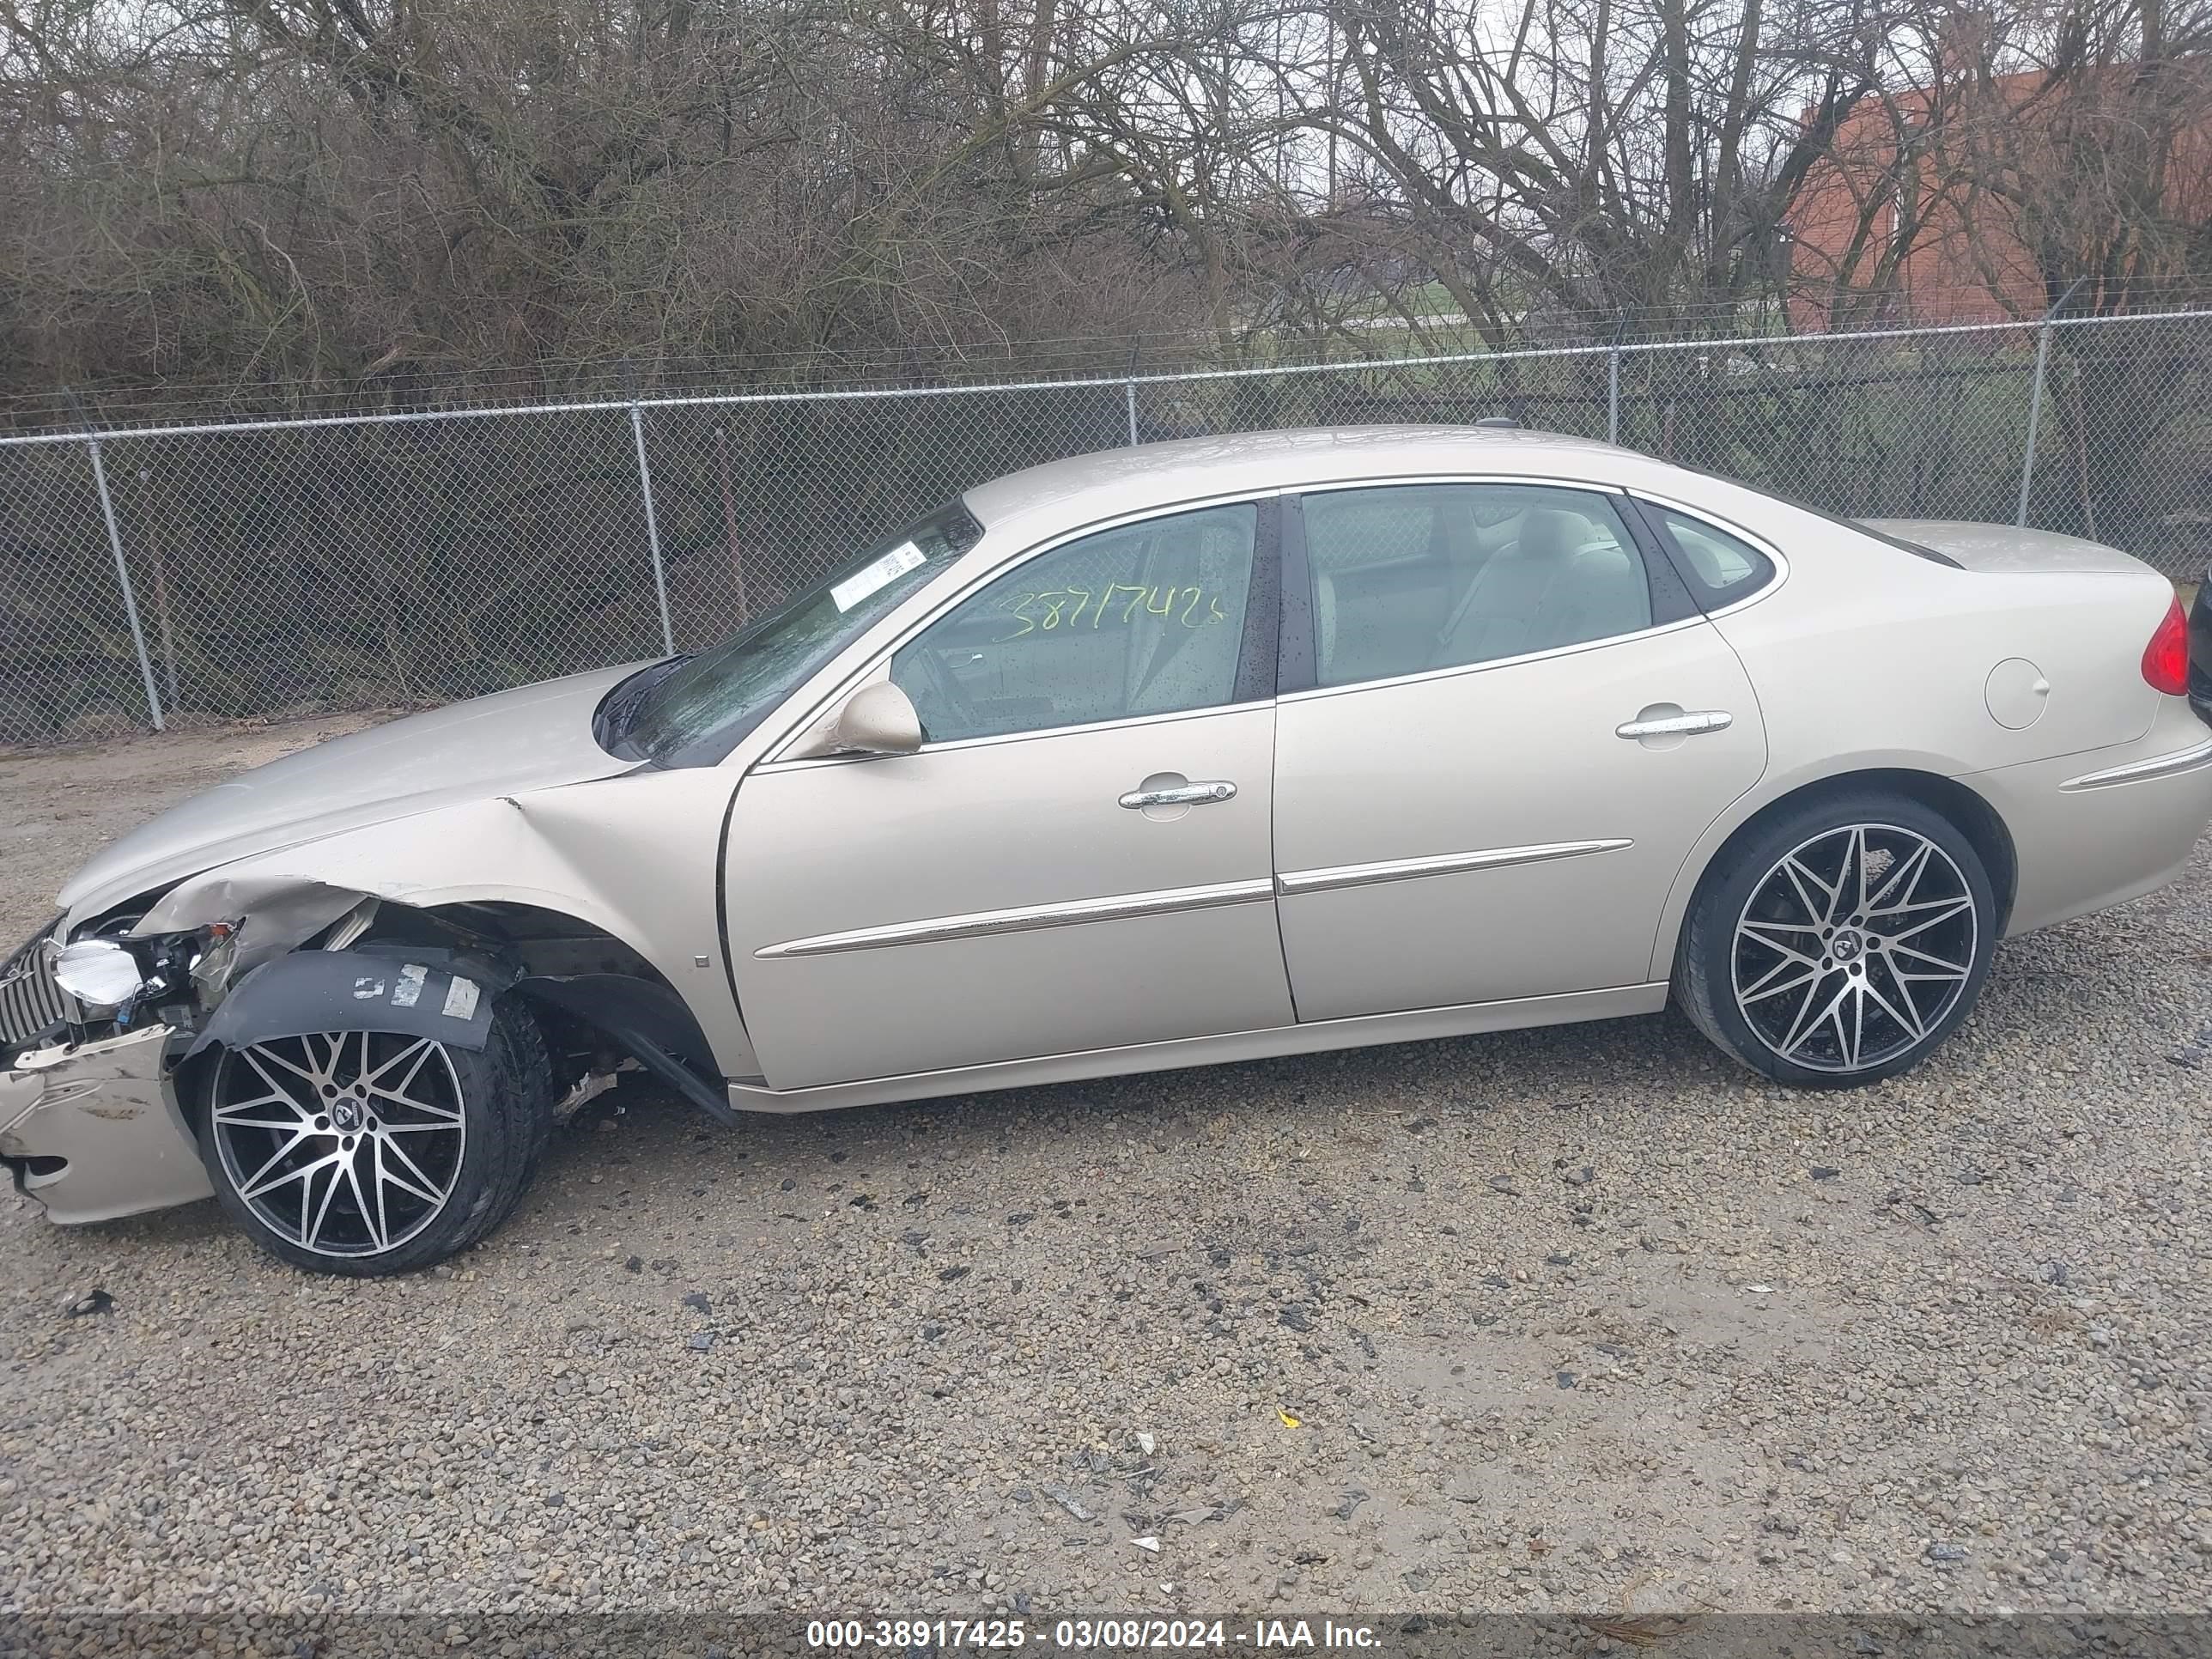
x=2166, y=658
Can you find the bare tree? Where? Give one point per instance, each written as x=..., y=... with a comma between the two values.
x=1603, y=156
x=267, y=201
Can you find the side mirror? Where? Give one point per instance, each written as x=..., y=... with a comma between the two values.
x=877, y=719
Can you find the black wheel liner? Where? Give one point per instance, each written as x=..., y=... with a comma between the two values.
x=648, y=1021
x=369, y=989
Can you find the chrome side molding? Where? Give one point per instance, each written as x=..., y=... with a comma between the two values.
x=2158, y=766
x=1445, y=864
x=983, y=924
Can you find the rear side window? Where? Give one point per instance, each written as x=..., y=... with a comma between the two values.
x=1720, y=568
x=1407, y=577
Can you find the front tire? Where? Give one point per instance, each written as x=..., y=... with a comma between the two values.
x=1841, y=943
x=367, y=1154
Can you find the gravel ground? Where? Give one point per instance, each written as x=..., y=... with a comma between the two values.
x=1577, y=1319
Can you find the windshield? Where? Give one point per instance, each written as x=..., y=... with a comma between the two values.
x=693, y=711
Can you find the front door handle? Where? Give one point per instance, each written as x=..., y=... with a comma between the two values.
x=1677, y=726
x=1183, y=794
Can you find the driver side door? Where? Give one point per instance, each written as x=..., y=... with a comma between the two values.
x=1079, y=857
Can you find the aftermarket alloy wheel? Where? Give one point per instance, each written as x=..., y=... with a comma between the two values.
x=1841, y=944
x=374, y=1152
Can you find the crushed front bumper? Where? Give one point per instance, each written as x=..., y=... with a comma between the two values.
x=93, y=1131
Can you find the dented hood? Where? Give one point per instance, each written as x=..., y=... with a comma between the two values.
x=532, y=737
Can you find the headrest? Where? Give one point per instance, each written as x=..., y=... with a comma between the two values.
x=1551, y=532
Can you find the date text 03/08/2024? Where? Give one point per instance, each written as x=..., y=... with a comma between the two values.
x=1086, y=1635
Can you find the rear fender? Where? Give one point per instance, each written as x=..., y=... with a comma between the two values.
x=1771, y=788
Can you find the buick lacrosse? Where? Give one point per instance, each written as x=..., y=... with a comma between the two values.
x=1190, y=752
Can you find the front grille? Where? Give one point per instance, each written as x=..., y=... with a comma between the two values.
x=30, y=1001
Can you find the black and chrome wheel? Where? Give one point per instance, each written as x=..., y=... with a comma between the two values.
x=1841, y=944
x=372, y=1152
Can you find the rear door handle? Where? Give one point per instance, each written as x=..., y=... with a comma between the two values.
x=1677, y=726
x=1183, y=795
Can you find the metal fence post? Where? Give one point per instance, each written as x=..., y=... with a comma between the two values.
x=652, y=529
x=2035, y=398
x=123, y=579
x=1612, y=382
x=1129, y=398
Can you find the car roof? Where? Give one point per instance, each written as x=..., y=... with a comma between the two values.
x=1187, y=469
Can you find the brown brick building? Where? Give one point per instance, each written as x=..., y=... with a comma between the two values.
x=1940, y=196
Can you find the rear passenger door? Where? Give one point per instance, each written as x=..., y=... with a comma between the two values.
x=1501, y=723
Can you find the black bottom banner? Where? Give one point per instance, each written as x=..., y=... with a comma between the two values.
x=248, y=1635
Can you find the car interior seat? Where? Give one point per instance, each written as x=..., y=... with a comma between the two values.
x=1561, y=581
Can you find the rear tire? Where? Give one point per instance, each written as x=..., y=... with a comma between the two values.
x=1841, y=943
x=368, y=1153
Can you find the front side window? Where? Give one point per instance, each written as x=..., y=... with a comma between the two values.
x=1408, y=578
x=1145, y=619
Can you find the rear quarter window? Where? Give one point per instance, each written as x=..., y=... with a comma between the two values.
x=1719, y=568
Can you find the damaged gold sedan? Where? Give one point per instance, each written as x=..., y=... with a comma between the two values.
x=1191, y=752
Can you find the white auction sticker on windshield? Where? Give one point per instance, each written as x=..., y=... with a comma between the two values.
x=865, y=580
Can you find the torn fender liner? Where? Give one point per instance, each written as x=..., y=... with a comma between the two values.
x=652, y=1023
x=419, y=990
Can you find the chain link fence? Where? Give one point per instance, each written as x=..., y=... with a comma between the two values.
x=165, y=574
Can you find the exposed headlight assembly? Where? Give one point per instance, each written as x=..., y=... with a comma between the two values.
x=99, y=973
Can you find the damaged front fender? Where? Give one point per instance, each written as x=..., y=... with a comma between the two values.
x=635, y=858
x=267, y=916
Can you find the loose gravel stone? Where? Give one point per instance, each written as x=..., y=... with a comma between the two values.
x=1344, y=1338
